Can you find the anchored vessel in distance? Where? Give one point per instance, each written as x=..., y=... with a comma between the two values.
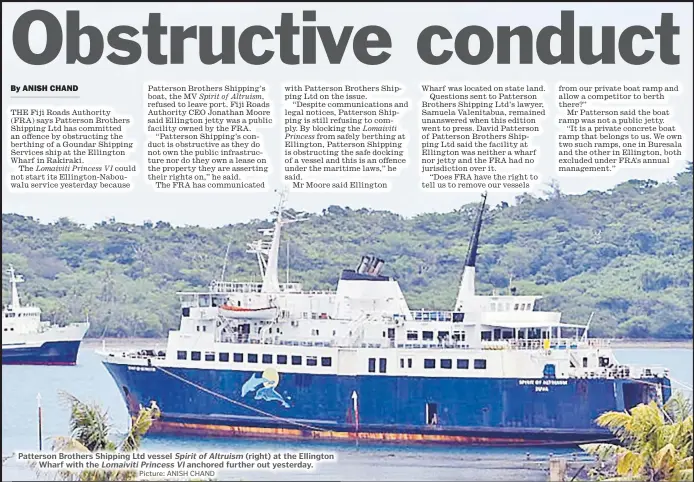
x=272, y=360
x=26, y=340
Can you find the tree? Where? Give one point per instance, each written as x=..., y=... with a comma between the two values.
x=625, y=254
x=90, y=429
x=656, y=442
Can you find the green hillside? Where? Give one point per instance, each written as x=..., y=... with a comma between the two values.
x=625, y=254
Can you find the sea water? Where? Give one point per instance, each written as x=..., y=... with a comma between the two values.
x=89, y=381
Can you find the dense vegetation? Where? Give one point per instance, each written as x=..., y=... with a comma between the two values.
x=625, y=254
x=655, y=443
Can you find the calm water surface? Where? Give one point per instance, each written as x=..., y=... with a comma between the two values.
x=90, y=381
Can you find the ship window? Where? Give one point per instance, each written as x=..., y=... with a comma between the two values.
x=402, y=363
x=372, y=365
x=238, y=357
x=311, y=361
x=224, y=357
x=443, y=335
x=515, y=307
x=209, y=356
x=204, y=301
x=296, y=359
x=326, y=361
x=252, y=358
x=497, y=333
x=429, y=363
x=463, y=364
x=198, y=327
x=182, y=355
x=585, y=362
x=486, y=336
x=458, y=317
x=382, y=365
x=427, y=335
x=409, y=363
x=204, y=327
x=195, y=355
x=281, y=359
x=217, y=300
x=530, y=306
x=480, y=364
x=267, y=358
x=185, y=311
x=446, y=363
x=412, y=335
x=522, y=306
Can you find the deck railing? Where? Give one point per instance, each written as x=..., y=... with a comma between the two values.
x=553, y=344
x=251, y=287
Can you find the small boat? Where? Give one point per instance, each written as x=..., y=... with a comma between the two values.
x=26, y=340
x=243, y=313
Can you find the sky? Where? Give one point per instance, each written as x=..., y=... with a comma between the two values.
x=121, y=87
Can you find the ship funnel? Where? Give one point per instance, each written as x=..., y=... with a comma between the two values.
x=363, y=264
x=372, y=266
x=378, y=266
x=467, y=283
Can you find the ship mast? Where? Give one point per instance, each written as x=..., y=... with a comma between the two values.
x=271, y=282
x=467, y=283
x=14, y=279
x=269, y=267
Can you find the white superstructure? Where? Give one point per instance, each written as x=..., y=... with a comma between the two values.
x=23, y=331
x=366, y=327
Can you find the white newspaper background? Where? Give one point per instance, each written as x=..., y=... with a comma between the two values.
x=194, y=114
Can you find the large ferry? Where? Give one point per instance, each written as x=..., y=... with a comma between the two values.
x=272, y=360
x=26, y=340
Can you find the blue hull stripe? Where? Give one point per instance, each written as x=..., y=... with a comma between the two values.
x=50, y=353
x=468, y=410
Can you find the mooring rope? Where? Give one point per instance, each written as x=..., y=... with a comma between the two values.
x=236, y=402
x=311, y=427
x=682, y=384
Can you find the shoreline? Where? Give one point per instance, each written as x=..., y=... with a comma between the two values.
x=160, y=343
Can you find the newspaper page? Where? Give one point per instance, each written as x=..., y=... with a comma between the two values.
x=346, y=241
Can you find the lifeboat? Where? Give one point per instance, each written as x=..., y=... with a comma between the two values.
x=241, y=313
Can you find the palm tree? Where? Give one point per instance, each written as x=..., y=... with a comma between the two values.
x=90, y=429
x=656, y=442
